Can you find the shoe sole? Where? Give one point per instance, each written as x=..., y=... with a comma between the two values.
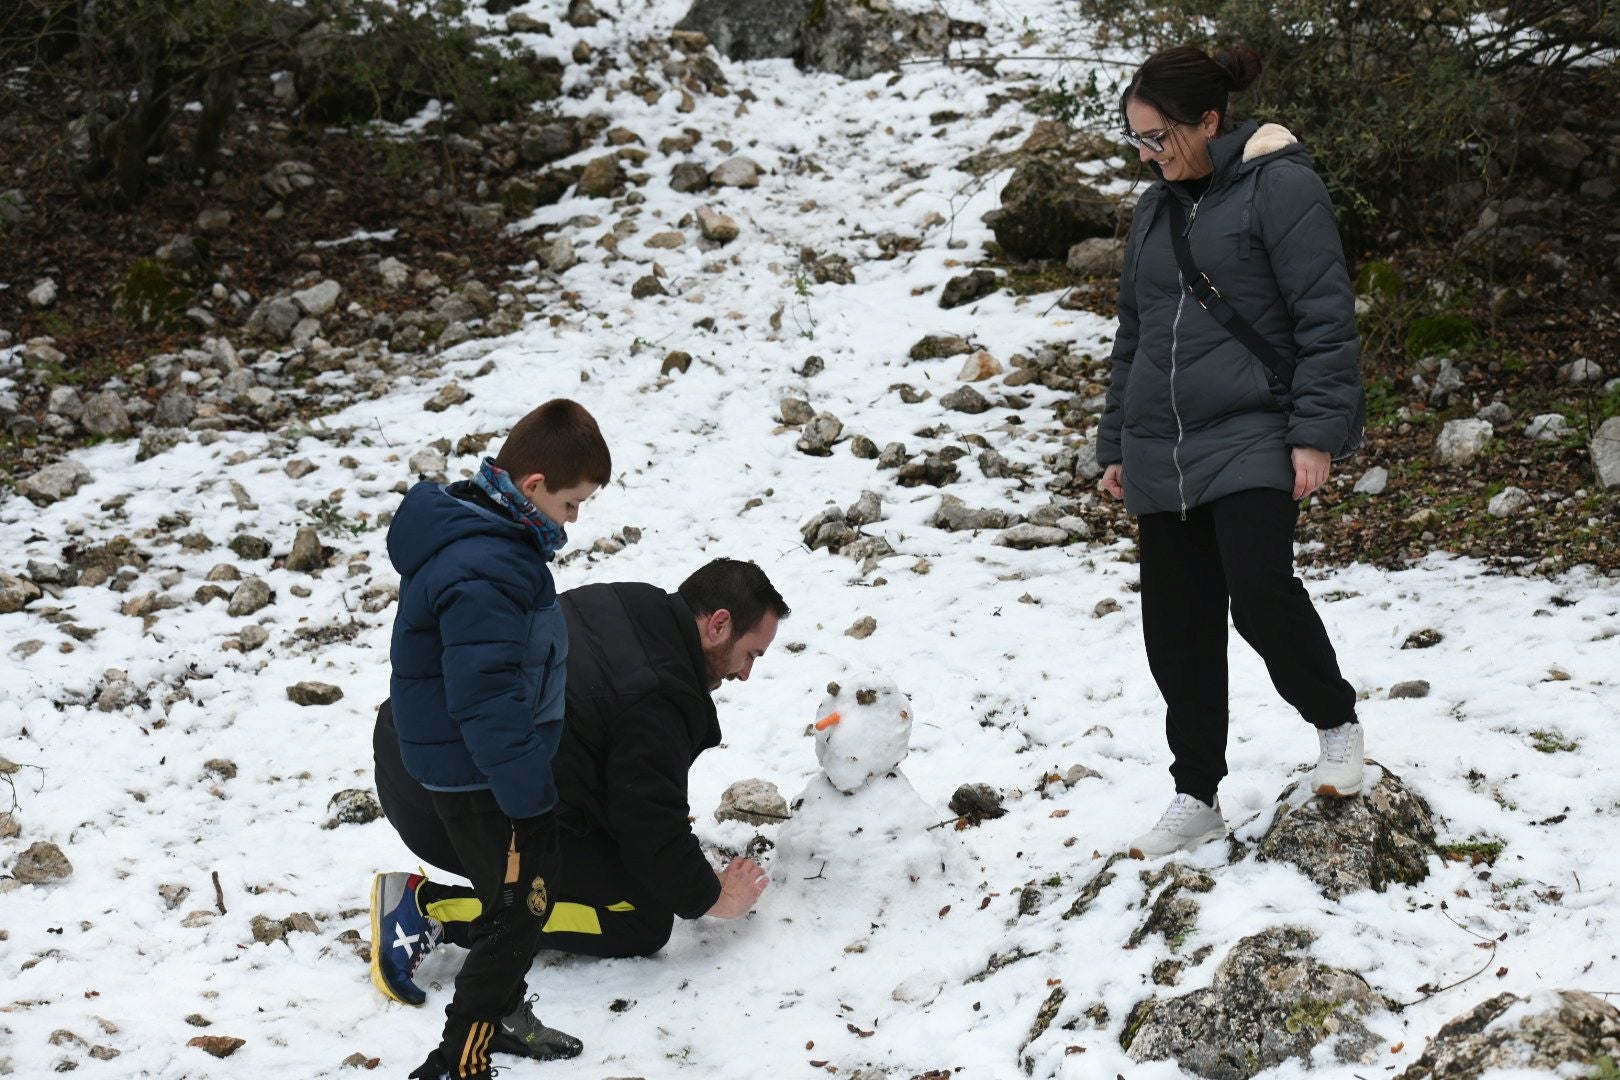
x=525, y=1052
x=1136, y=853
x=377, y=979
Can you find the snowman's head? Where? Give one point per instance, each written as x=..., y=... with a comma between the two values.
x=863, y=729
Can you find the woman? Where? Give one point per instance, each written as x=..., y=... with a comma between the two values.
x=1210, y=451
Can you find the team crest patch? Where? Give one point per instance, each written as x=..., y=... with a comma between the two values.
x=538, y=901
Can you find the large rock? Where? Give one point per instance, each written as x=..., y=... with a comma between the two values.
x=42, y=862
x=1606, y=453
x=1100, y=256
x=750, y=29
x=16, y=593
x=317, y=300
x=852, y=38
x=1461, y=441
x=306, y=556
x=1046, y=210
x=1382, y=838
x=753, y=802
x=954, y=515
x=104, y=414
x=1269, y=1002
x=54, y=482
x=1574, y=1028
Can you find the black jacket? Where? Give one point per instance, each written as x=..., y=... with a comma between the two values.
x=1190, y=413
x=639, y=714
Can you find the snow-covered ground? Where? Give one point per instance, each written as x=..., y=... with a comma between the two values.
x=1011, y=676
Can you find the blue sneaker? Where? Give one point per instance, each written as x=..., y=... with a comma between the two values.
x=400, y=936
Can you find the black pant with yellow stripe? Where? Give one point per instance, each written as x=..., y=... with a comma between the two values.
x=597, y=907
x=511, y=865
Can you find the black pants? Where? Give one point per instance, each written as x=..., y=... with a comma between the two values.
x=512, y=866
x=1236, y=551
x=598, y=907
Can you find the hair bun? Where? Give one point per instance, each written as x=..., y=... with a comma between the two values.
x=1241, y=64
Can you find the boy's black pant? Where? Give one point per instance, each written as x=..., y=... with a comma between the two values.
x=512, y=865
x=1237, y=551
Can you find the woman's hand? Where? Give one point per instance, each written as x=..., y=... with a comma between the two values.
x=1311, y=468
x=1113, y=481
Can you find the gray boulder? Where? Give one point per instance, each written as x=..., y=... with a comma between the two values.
x=104, y=414
x=1046, y=210
x=1606, y=453
x=1269, y=1002
x=16, y=593
x=859, y=38
x=753, y=802
x=351, y=806
x=306, y=556
x=1576, y=1028
x=954, y=515
x=1461, y=441
x=749, y=29
x=54, y=482
x=174, y=410
x=1027, y=537
x=1098, y=256
x=1382, y=838
x=967, y=288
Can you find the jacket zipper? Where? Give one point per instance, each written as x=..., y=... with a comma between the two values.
x=1175, y=333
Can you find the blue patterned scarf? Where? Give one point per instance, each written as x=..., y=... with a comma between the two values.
x=497, y=484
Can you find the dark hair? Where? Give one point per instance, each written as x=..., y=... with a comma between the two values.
x=1184, y=83
x=735, y=586
x=561, y=441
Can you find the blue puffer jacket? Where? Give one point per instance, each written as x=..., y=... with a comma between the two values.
x=478, y=650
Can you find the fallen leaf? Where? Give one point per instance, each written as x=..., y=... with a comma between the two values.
x=853, y=1030
x=1397, y=1048
x=1060, y=813
x=944, y=911
x=984, y=903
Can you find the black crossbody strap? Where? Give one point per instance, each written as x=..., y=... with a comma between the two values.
x=1210, y=299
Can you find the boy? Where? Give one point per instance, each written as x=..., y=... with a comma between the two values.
x=478, y=658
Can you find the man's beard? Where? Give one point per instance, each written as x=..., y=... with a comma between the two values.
x=717, y=659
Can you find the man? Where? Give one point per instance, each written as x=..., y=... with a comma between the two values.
x=641, y=667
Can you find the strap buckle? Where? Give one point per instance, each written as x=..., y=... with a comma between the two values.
x=1210, y=291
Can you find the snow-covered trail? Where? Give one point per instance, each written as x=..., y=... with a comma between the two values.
x=1011, y=676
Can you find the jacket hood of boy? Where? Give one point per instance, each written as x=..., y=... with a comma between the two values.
x=431, y=517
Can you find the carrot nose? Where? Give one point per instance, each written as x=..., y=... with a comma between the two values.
x=827, y=721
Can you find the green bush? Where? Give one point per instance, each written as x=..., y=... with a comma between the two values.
x=1433, y=335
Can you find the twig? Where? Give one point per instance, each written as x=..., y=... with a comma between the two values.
x=219, y=894
x=998, y=59
x=1427, y=994
x=378, y=424
x=819, y=874
x=942, y=824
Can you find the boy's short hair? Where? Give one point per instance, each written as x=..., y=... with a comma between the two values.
x=561, y=441
x=735, y=586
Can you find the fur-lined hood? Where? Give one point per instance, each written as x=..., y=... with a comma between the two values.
x=1267, y=140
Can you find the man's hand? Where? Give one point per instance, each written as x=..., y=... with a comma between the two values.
x=1113, y=481
x=1310, y=470
x=741, y=882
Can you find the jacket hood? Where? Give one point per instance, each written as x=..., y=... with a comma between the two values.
x=1247, y=147
x=432, y=517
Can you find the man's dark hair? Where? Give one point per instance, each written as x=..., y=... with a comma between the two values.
x=736, y=586
x=1184, y=83
x=561, y=441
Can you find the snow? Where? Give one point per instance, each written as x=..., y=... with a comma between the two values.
x=864, y=967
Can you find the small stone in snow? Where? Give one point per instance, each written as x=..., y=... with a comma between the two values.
x=965, y=399
x=863, y=628
x=1415, y=688
x=250, y=596
x=221, y=1046
x=43, y=862
x=353, y=806
x=314, y=693
x=1427, y=638
x=1107, y=606
x=451, y=393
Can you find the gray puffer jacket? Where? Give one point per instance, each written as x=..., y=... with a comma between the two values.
x=1190, y=413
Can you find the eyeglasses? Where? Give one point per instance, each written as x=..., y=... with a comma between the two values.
x=1154, y=142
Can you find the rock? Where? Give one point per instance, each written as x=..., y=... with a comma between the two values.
x=43, y=862
x=646, y=286
x=250, y=596
x=1415, y=688
x=863, y=447
x=968, y=288
x=981, y=802
x=1509, y=502
x=829, y=530
x=54, y=482
x=749, y=29
x=1605, y=453
x=954, y=515
x=688, y=177
x=599, y=177
x=1579, y=372
x=859, y=38
x=965, y=399
x=449, y=395
x=833, y=270
x=867, y=510
x=105, y=415
x=352, y=806
x=1026, y=537
x=317, y=300
x=1498, y=414
x=428, y=462
x=1173, y=913
x=892, y=456
x=1548, y=427
x=862, y=628
x=558, y=255
x=676, y=361
x=796, y=411
x=221, y=1046
x=716, y=226
x=1078, y=773
x=1383, y=838
x=64, y=401
x=174, y=410
x=1046, y=210
x=980, y=366
x=14, y=207
x=1562, y=150
x=279, y=316
x=666, y=241
x=521, y=22
x=582, y=14
x=1097, y=256
x=1269, y=1001
x=819, y=435
x=248, y=546
x=1427, y=638
x=306, y=556
x=16, y=593
x=753, y=802
x=1427, y=518
x=1572, y=1028
x=157, y=440
x=738, y=172
x=43, y=294
x=1373, y=482
x=314, y=693
x=933, y=470
x=549, y=143
x=1461, y=441
x=939, y=346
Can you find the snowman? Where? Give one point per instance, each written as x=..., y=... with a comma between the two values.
x=860, y=814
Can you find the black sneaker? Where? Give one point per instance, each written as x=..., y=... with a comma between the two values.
x=521, y=1032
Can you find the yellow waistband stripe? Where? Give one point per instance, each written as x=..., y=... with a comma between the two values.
x=455, y=909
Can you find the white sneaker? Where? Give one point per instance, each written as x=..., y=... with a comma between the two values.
x=1338, y=770
x=1187, y=823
